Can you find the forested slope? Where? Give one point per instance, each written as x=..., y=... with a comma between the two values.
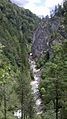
x=16, y=29
x=50, y=41
x=50, y=52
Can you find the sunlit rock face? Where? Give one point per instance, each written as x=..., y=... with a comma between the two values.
x=43, y=36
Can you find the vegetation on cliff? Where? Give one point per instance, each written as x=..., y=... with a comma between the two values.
x=16, y=30
x=53, y=86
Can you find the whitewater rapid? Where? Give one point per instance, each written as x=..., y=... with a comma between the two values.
x=35, y=83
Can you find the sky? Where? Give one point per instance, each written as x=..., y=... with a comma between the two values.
x=39, y=7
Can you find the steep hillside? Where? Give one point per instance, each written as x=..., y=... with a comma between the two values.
x=16, y=29
x=49, y=47
x=49, y=50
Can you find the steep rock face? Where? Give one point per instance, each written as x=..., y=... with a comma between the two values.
x=40, y=40
x=49, y=32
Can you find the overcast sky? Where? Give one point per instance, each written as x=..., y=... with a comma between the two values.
x=39, y=7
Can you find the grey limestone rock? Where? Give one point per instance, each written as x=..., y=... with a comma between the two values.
x=43, y=39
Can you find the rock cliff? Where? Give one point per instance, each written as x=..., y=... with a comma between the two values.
x=49, y=32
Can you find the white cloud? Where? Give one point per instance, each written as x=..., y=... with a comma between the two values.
x=44, y=8
x=34, y=1
x=39, y=7
x=52, y=3
x=20, y=2
x=39, y=10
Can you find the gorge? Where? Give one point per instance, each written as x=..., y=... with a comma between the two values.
x=33, y=63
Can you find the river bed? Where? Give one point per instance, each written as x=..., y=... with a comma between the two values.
x=35, y=83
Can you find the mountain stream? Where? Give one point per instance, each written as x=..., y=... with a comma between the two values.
x=35, y=83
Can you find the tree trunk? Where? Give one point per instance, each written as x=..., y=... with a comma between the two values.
x=56, y=99
x=5, y=103
x=56, y=108
x=22, y=117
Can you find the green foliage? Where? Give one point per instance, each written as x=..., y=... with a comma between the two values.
x=7, y=77
x=54, y=83
x=42, y=60
x=16, y=29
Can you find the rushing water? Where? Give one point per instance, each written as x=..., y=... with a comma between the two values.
x=17, y=114
x=37, y=77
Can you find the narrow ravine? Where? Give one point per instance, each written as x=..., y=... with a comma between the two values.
x=35, y=83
